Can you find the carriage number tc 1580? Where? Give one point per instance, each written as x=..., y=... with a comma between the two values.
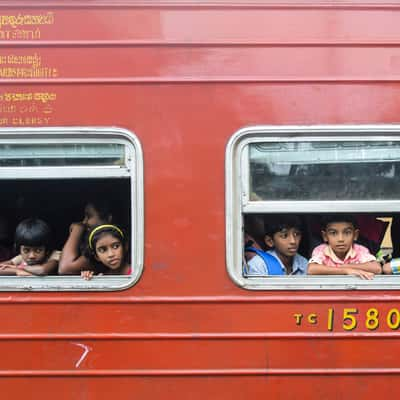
x=350, y=318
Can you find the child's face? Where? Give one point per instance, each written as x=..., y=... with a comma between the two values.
x=32, y=254
x=109, y=251
x=286, y=242
x=92, y=217
x=340, y=236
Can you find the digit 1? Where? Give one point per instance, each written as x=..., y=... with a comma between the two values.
x=330, y=319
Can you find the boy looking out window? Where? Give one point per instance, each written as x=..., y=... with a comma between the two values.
x=339, y=255
x=282, y=238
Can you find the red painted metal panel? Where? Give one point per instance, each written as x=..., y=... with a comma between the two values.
x=223, y=387
x=203, y=64
x=184, y=76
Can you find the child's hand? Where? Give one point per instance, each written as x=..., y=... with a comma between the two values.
x=387, y=268
x=76, y=226
x=87, y=275
x=5, y=266
x=360, y=273
x=22, y=272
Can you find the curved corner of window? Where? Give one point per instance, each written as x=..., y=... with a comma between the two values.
x=52, y=174
x=287, y=185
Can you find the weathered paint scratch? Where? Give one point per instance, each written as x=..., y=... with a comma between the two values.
x=86, y=350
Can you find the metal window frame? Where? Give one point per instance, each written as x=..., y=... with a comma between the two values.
x=134, y=172
x=237, y=202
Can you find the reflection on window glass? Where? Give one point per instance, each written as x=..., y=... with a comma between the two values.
x=325, y=170
x=61, y=154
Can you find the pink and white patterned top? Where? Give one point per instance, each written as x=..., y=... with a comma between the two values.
x=323, y=254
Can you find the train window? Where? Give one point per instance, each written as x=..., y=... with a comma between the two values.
x=51, y=173
x=307, y=172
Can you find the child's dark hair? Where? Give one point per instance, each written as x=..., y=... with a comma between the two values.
x=276, y=223
x=336, y=218
x=33, y=232
x=102, y=207
x=97, y=232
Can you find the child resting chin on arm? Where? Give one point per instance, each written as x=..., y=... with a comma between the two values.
x=33, y=240
x=339, y=255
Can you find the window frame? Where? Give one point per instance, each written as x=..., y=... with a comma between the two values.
x=133, y=172
x=239, y=204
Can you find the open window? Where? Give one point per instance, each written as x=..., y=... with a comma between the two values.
x=308, y=172
x=51, y=173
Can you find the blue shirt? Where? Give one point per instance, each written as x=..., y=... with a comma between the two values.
x=299, y=266
x=256, y=266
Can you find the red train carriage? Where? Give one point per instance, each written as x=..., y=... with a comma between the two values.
x=192, y=118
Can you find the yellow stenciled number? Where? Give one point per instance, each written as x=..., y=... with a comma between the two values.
x=372, y=321
x=349, y=320
x=393, y=318
x=330, y=319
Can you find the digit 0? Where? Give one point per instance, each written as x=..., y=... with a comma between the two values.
x=393, y=318
x=372, y=321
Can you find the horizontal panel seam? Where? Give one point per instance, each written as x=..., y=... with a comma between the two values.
x=189, y=44
x=202, y=372
x=198, y=336
x=204, y=80
x=284, y=299
x=211, y=5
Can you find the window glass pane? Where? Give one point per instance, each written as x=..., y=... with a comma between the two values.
x=325, y=170
x=61, y=154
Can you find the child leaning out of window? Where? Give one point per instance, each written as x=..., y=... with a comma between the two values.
x=108, y=248
x=33, y=242
x=282, y=238
x=339, y=255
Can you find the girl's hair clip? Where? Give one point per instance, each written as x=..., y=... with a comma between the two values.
x=101, y=227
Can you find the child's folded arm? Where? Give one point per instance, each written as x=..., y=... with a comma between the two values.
x=72, y=262
x=42, y=269
x=369, y=266
x=8, y=268
x=387, y=268
x=321, y=269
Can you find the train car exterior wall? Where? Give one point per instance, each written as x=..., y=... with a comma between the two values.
x=184, y=76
